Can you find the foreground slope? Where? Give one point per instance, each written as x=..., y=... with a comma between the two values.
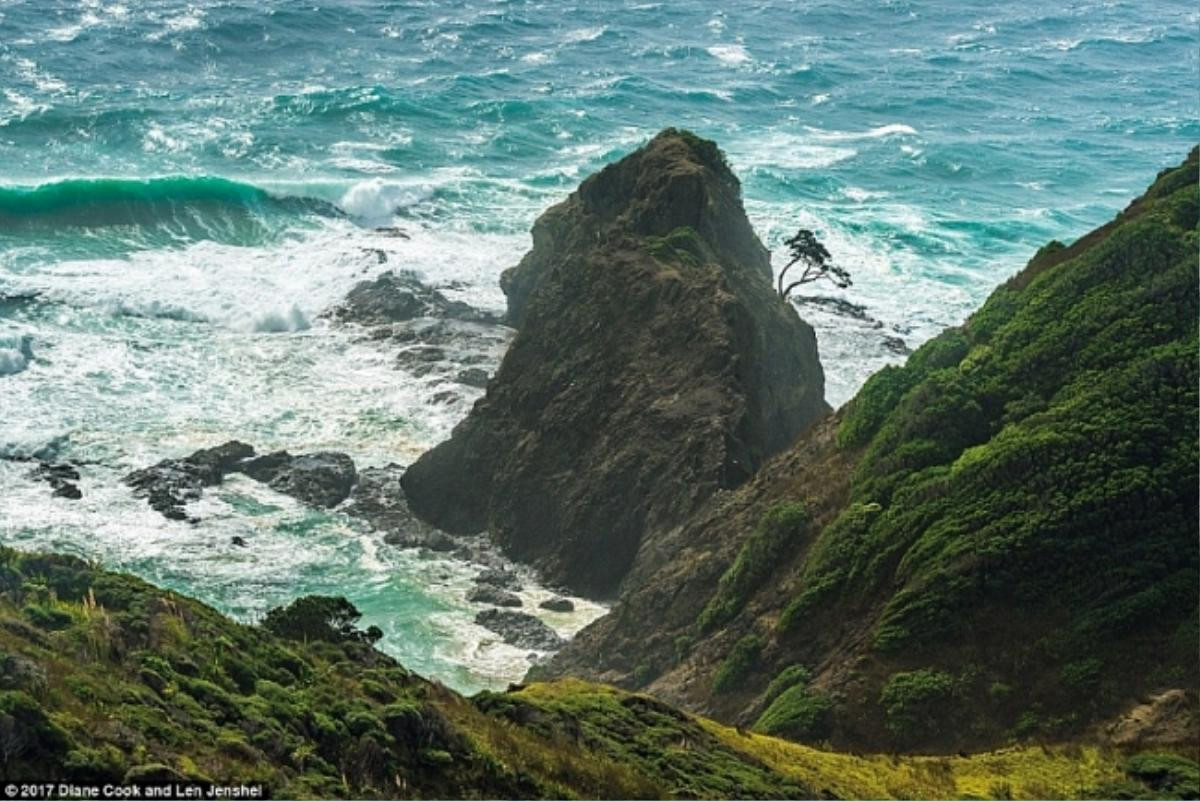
x=104, y=678
x=995, y=541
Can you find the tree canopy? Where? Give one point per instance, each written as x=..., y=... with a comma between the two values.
x=807, y=250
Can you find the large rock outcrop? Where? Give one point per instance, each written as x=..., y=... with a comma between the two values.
x=653, y=365
x=996, y=540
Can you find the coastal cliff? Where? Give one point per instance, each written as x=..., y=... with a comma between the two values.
x=994, y=541
x=653, y=366
x=991, y=548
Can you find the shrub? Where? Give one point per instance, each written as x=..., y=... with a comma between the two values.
x=797, y=714
x=914, y=702
x=1166, y=774
x=48, y=617
x=777, y=535
x=319, y=618
x=1081, y=676
x=787, y=678
x=731, y=675
x=95, y=765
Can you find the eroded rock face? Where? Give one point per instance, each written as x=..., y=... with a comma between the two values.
x=1167, y=719
x=654, y=365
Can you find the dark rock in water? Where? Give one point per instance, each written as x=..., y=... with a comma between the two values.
x=445, y=397
x=484, y=594
x=520, y=629
x=69, y=491
x=840, y=307
x=60, y=477
x=238, y=541
x=557, y=604
x=393, y=231
x=378, y=500
x=381, y=257
x=430, y=539
x=653, y=366
x=500, y=577
x=398, y=296
x=171, y=483
x=896, y=345
x=473, y=377
x=321, y=479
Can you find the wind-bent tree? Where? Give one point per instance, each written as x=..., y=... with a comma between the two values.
x=806, y=249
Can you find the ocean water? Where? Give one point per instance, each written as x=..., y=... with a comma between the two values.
x=185, y=186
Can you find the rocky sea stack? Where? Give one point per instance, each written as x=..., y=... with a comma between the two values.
x=654, y=365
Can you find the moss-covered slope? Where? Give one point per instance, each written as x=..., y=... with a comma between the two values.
x=104, y=678
x=995, y=541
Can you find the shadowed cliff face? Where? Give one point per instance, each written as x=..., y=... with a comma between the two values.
x=653, y=366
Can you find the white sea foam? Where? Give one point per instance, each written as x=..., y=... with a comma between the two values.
x=376, y=201
x=879, y=132
x=278, y=322
x=731, y=54
x=787, y=151
x=584, y=34
x=16, y=352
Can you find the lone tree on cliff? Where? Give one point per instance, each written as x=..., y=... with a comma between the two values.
x=806, y=249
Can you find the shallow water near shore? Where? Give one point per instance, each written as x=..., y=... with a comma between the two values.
x=186, y=187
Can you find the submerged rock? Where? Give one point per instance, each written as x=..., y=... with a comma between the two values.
x=520, y=629
x=321, y=479
x=60, y=477
x=654, y=365
x=399, y=296
x=170, y=484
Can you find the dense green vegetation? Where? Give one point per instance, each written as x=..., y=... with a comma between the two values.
x=1033, y=471
x=742, y=658
x=776, y=537
x=104, y=678
x=794, y=710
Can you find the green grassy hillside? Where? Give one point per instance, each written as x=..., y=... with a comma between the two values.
x=104, y=678
x=993, y=543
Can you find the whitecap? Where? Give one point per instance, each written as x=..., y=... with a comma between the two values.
x=731, y=54
x=879, y=132
x=154, y=309
x=584, y=35
x=16, y=352
x=286, y=322
x=376, y=201
x=786, y=151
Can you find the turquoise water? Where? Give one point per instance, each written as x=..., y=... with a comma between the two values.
x=185, y=186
